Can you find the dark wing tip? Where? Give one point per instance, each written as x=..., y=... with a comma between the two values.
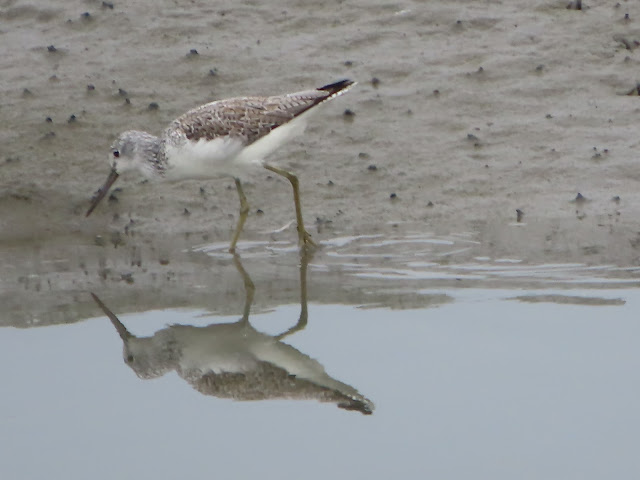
x=334, y=88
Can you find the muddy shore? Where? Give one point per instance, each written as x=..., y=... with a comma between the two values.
x=465, y=112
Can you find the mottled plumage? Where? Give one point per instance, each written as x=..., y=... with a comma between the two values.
x=249, y=118
x=221, y=138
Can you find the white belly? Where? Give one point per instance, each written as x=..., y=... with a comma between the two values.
x=226, y=156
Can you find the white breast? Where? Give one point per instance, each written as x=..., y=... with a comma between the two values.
x=203, y=159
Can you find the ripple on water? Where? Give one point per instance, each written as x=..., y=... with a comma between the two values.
x=427, y=257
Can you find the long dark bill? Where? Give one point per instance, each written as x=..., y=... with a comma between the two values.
x=113, y=176
x=122, y=330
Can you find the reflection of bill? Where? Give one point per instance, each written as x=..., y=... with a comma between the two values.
x=234, y=360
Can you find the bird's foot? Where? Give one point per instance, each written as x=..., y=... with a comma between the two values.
x=306, y=242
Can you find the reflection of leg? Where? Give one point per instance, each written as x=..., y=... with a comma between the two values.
x=249, y=288
x=304, y=313
x=244, y=211
x=303, y=236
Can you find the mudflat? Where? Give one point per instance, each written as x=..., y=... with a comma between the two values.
x=465, y=114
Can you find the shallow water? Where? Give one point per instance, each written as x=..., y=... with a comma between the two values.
x=537, y=380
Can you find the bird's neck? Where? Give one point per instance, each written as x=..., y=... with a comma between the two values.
x=155, y=159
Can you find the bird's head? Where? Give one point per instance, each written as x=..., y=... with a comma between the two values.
x=132, y=151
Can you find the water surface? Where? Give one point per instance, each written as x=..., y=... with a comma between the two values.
x=489, y=382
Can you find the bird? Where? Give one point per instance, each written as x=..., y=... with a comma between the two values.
x=224, y=138
x=234, y=360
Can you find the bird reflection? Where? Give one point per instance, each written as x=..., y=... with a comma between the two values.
x=234, y=360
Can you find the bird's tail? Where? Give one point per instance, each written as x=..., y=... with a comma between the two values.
x=338, y=88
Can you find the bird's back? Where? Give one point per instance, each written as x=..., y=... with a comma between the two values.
x=226, y=137
x=250, y=118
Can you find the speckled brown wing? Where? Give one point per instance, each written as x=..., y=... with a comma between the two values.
x=251, y=118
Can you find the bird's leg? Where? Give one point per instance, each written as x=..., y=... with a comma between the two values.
x=305, y=257
x=249, y=288
x=244, y=211
x=303, y=236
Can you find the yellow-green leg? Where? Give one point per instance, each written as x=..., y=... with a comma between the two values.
x=303, y=236
x=244, y=211
x=249, y=288
x=305, y=257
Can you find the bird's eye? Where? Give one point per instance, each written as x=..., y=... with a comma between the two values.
x=116, y=153
x=129, y=358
